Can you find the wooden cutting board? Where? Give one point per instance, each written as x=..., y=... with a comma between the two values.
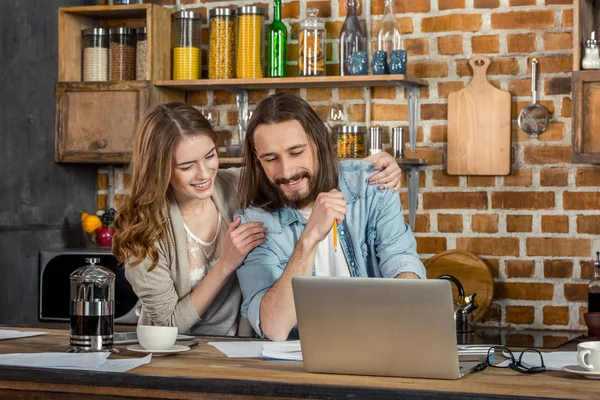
x=471, y=271
x=479, y=126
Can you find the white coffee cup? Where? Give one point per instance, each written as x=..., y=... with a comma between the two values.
x=588, y=355
x=157, y=337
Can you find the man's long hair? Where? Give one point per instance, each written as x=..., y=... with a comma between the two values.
x=255, y=188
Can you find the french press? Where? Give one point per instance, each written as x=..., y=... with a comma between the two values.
x=92, y=308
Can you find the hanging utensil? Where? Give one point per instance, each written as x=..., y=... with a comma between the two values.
x=533, y=119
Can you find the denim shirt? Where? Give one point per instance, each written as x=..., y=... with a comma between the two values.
x=373, y=236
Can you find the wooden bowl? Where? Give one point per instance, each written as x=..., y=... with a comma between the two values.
x=592, y=320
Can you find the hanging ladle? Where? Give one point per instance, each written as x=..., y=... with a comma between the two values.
x=533, y=119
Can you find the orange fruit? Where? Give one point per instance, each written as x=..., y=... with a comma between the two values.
x=91, y=223
x=84, y=215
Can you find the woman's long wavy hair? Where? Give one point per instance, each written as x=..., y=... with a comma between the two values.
x=255, y=188
x=143, y=219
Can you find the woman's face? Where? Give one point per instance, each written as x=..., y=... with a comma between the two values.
x=195, y=165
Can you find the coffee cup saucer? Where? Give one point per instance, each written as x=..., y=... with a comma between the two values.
x=173, y=350
x=579, y=370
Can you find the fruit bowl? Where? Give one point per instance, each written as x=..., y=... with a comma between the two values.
x=99, y=230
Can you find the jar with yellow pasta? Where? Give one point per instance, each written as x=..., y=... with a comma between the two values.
x=311, y=45
x=187, y=59
x=221, y=57
x=249, y=46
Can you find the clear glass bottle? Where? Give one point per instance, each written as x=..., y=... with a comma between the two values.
x=594, y=287
x=351, y=37
x=249, y=42
x=277, y=44
x=221, y=58
x=388, y=31
x=311, y=45
x=187, y=58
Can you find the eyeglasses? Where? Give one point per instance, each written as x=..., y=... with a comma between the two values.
x=530, y=360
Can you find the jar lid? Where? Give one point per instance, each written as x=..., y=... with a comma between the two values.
x=187, y=15
x=591, y=43
x=221, y=12
x=141, y=30
x=312, y=21
x=94, y=31
x=121, y=31
x=250, y=10
x=351, y=129
x=376, y=129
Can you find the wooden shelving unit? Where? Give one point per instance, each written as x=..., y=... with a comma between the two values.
x=412, y=162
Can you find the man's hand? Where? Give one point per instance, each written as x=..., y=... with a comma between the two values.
x=328, y=207
x=407, y=275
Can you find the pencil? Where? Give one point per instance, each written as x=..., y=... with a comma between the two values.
x=335, y=243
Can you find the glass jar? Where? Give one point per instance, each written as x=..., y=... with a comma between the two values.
x=591, y=58
x=141, y=55
x=94, y=54
x=221, y=58
x=388, y=31
x=122, y=54
x=375, y=134
x=187, y=57
x=351, y=141
x=311, y=45
x=249, y=46
x=351, y=38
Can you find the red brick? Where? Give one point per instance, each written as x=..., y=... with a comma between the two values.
x=439, y=133
x=481, y=181
x=433, y=155
x=523, y=20
x=222, y=97
x=450, y=45
x=556, y=315
x=469, y=201
x=441, y=178
x=519, y=268
x=519, y=223
x=523, y=291
x=430, y=245
x=518, y=177
x=519, y=87
x=558, y=41
x=581, y=200
x=498, y=66
x=445, y=88
x=387, y=112
x=566, y=108
x=553, y=64
x=450, y=223
x=587, y=269
x=355, y=93
x=489, y=246
x=546, y=154
x=519, y=3
x=422, y=223
x=576, y=291
x=401, y=7
x=427, y=69
x=318, y=94
x=587, y=176
x=416, y=47
x=557, y=85
x=450, y=4
x=521, y=43
x=523, y=200
x=485, y=44
x=431, y=112
x=380, y=92
x=558, y=269
x=291, y=10
x=560, y=247
x=484, y=223
x=567, y=18
x=520, y=314
x=486, y=3
x=554, y=177
x=550, y=342
x=554, y=2
x=555, y=224
x=588, y=224
x=452, y=22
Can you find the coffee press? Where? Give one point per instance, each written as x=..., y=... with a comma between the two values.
x=92, y=308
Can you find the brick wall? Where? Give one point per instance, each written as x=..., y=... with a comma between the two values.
x=538, y=227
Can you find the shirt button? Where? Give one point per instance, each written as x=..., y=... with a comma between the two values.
x=352, y=263
x=342, y=232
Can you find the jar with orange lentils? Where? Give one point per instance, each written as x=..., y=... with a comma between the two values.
x=249, y=42
x=311, y=45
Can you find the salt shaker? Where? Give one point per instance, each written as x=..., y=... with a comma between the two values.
x=591, y=59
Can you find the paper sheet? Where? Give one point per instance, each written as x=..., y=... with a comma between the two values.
x=246, y=349
x=81, y=361
x=8, y=334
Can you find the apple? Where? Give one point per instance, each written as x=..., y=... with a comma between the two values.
x=104, y=236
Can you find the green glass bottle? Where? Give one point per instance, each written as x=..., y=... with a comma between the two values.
x=277, y=44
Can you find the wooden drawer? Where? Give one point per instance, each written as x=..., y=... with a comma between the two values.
x=96, y=122
x=586, y=118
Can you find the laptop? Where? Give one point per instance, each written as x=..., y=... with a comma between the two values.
x=378, y=326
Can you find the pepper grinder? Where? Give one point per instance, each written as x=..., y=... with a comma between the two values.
x=591, y=59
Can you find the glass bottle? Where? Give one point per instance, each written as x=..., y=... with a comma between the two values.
x=591, y=59
x=388, y=32
x=277, y=44
x=311, y=45
x=351, y=37
x=594, y=287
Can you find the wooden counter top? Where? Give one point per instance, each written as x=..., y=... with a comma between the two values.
x=204, y=372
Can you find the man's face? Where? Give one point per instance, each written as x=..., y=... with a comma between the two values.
x=287, y=157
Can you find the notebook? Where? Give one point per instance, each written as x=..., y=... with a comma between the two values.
x=378, y=326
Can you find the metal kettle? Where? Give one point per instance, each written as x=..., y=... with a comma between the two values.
x=463, y=309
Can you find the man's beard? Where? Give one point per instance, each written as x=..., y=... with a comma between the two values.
x=297, y=201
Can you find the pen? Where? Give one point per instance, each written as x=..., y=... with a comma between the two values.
x=335, y=243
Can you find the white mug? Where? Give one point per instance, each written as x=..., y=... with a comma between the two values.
x=588, y=355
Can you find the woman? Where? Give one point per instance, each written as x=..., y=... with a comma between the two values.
x=174, y=232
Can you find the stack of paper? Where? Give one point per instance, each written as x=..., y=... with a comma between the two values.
x=8, y=334
x=81, y=361
x=287, y=351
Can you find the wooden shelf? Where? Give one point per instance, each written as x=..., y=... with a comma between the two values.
x=109, y=12
x=413, y=162
x=295, y=82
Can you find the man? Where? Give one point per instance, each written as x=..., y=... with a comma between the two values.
x=295, y=187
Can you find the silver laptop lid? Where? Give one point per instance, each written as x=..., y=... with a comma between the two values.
x=377, y=326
